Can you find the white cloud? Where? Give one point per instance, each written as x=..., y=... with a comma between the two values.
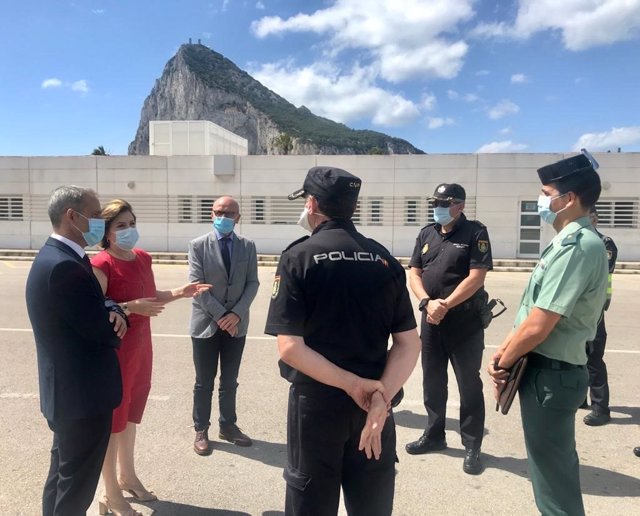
x=260, y=6
x=428, y=101
x=609, y=140
x=505, y=130
x=80, y=86
x=582, y=23
x=436, y=123
x=519, y=78
x=503, y=108
x=465, y=97
x=343, y=97
x=482, y=73
x=51, y=83
x=403, y=40
x=225, y=3
x=503, y=146
x=207, y=35
x=97, y=11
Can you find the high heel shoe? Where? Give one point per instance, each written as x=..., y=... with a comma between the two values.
x=104, y=507
x=139, y=494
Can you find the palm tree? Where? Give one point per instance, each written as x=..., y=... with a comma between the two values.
x=99, y=151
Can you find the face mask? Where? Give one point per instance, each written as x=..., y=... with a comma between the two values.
x=442, y=215
x=127, y=238
x=303, y=221
x=95, y=233
x=544, y=208
x=223, y=225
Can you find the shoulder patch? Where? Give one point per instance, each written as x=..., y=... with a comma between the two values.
x=276, y=287
x=483, y=246
x=425, y=248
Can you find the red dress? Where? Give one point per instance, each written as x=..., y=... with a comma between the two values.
x=126, y=281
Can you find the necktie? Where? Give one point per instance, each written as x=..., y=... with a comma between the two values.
x=226, y=253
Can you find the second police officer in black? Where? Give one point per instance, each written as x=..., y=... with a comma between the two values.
x=336, y=299
x=447, y=272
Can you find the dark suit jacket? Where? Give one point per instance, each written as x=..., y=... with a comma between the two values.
x=78, y=368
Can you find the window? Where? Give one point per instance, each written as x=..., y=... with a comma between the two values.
x=375, y=212
x=11, y=208
x=529, y=231
x=258, y=210
x=356, y=214
x=204, y=210
x=617, y=213
x=411, y=212
x=184, y=209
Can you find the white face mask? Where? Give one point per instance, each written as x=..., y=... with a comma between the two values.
x=303, y=221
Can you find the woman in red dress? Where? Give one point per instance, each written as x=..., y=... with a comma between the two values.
x=125, y=274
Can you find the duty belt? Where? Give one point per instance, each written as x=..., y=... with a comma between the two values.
x=542, y=362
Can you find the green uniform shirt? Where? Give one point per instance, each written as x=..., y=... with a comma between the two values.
x=570, y=280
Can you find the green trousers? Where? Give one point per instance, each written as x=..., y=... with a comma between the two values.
x=549, y=400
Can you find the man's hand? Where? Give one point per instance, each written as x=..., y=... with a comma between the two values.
x=147, y=306
x=370, y=437
x=498, y=376
x=361, y=389
x=436, y=309
x=229, y=323
x=119, y=324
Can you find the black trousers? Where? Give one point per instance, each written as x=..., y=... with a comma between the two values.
x=323, y=433
x=207, y=352
x=441, y=344
x=598, y=379
x=77, y=454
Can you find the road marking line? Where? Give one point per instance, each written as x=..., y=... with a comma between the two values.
x=267, y=337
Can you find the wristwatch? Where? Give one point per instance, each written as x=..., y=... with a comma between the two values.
x=423, y=304
x=125, y=308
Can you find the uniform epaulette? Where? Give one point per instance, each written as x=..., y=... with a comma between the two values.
x=478, y=223
x=428, y=226
x=571, y=238
x=379, y=244
x=296, y=242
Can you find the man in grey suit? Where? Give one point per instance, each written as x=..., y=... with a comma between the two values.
x=219, y=319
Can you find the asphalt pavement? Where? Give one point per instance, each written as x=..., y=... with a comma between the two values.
x=248, y=481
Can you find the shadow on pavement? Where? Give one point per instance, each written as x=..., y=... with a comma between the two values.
x=409, y=419
x=632, y=415
x=594, y=481
x=272, y=454
x=182, y=509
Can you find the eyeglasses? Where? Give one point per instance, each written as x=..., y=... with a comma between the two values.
x=444, y=204
x=227, y=214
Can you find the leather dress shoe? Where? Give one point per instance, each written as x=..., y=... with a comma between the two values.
x=425, y=445
x=585, y=404
x=636, y=451
x=596, y=418
x=472, y=464
x=234, y=435
x=201, y=444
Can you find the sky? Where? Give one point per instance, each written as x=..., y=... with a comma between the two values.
x=449, y=76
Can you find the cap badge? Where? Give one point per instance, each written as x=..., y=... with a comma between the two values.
x=442, y=188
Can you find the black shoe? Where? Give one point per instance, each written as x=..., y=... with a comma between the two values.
x=424, y=445
x=585, y=404
x=234, y=435
x=636, y=451
x=596, y=418
x=472, y=464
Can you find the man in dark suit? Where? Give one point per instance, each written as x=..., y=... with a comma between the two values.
x=76, y=332
x=220, y=319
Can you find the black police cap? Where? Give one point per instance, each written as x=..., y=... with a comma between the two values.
x=329, y=184
x=449, y=192
x=566, y=168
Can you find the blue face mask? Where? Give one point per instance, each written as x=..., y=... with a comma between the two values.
x=442, y=215
x=223, y=225
x=544, y=208
x=95, y=233
x=127, y=238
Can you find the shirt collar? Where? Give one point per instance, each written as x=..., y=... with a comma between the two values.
x=346, y=224
x=70, y=243
x=456, y=225
x=573, y=226
x=220, y=236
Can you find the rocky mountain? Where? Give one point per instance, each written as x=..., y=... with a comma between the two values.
x=200, y=84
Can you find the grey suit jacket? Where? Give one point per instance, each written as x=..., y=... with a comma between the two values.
x=230, y=293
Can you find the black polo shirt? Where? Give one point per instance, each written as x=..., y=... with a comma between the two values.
x=344, y=294
x=446, y=258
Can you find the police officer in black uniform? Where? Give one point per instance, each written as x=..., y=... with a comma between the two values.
x=448, y=268
x=598, y=378
x=336, y=299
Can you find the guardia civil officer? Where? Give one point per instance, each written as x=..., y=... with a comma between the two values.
x=558, y=313
x=448, y=268
x=598, y=378
x=336, y=298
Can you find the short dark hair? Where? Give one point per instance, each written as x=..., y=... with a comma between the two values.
x=586, y=185
x=343, y=209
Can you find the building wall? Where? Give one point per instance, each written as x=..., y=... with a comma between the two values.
x=172, y=195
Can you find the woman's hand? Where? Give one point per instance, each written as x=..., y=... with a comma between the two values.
x=194, y=289
x=147, y=306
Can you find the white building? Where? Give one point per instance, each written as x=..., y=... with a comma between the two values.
x=172, y=196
